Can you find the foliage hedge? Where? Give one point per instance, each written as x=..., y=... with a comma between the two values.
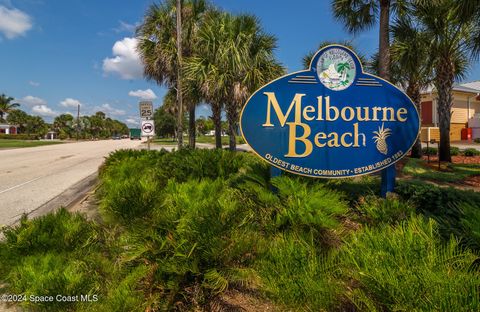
x=20, y=136
x=471, y=152
x=180, y=229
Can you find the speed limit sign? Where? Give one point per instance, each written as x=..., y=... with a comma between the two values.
x=146, y=109
x=148, y=128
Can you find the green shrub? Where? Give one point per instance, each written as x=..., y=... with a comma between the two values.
x=456, y=211
x=295, y=274
x=21, y=136
x=59, y=231
x=471, y=152
x=470, y=221
x=454, y=151
x=51, y=274
x=59, y=253
x=133, y=181
x=465, y=226
x=406, y=268
x=130, y=193
x=126, y=293
x=433, y=200
x=477, y=140
x=356, y=188
x=375, y=210
x=196, y=240
x=432, y=151
x=314, y=207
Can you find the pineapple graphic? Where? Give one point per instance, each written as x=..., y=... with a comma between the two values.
x=380, y=138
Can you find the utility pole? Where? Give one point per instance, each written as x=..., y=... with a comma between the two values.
x=179, y=75
x=78, y=120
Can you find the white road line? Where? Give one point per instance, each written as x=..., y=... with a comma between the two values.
x=17, y=186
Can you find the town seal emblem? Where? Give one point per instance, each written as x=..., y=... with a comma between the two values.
x=336, y=69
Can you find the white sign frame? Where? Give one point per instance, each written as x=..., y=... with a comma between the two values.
x=146, y=109
x=145, y=124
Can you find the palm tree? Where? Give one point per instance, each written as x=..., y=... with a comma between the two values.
x=359, y=15
x=158, y=47
x=410, y=67
x=6, y=106
x=235, y=58
x=63, y=124
x=471, y=10
x=253, y=50
x=36, y=125
x=453, y=45
x=205, y=71
x=18, y=117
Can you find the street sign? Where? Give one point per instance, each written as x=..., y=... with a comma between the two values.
x=148, y=128
x=146, y=109
x=330, y=121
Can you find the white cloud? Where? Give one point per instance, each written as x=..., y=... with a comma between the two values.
x=32, y=101
x=34, y=83
x=43, y=110
x=148, y=94
x=109, y=110
x=126, y=61
x=132, y=121
x=13, y=22
x=69, y=102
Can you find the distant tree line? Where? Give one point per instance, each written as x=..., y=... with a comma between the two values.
x=94, y=126
x=65, y=125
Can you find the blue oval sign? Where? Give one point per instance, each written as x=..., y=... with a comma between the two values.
x=330, y=121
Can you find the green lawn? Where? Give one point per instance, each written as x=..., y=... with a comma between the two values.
x=452, y=173
x=225, y=140
x=200, y=139
x=25, y=143
x=164, y=141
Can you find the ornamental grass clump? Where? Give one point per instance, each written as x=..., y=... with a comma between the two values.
x=57, y=254
x=299, y=275
x=374, y=210
x=408, y=268
x=196, y=240
x=314, y=208
x=60, y=231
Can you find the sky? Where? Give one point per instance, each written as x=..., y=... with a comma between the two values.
x=56, y=54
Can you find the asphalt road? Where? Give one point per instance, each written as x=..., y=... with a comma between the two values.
x=32, y=177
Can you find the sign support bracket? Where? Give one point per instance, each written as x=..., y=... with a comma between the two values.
x=388, y=180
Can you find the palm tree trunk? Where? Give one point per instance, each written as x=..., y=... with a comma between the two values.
x=384, y=40
x=413, y=91
x=444, y=85
x=179, y=74
x=232, y=126
x=217, y=122
x=191, y=126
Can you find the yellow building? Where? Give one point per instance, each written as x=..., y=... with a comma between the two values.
x=465, y=112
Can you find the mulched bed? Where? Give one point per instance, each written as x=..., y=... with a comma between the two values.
x=473, y=181
x=457, y=159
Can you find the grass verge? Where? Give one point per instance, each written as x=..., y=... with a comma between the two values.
x=4, y=144
x=452, y=173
